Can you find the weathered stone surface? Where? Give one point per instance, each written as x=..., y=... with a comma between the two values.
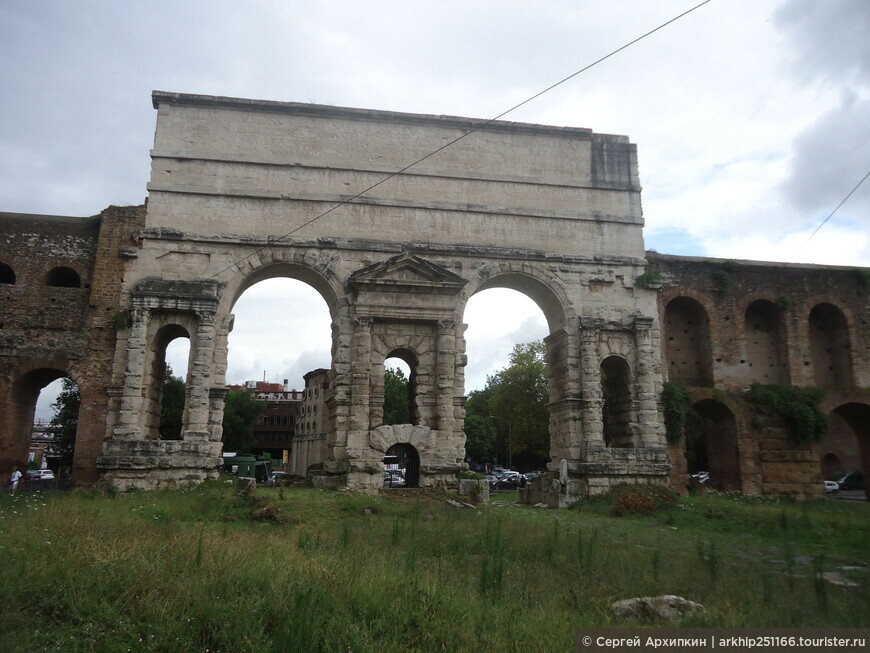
x=669, y=608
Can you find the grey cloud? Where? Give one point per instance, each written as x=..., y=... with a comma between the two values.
x=830, y=158
x=829, y=38
x=830, y=45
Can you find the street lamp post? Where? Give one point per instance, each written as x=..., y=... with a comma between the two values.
x=510, y=440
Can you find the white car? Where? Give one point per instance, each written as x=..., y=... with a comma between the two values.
x=39, y=475
x=831, y=487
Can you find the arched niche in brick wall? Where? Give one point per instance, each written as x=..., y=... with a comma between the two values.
x=830, y=347
x=63, y=277
x=765, y=344
x=687, y=345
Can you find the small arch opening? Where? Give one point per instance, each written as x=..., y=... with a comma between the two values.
x=167, y=391
x=174, y=391
x=616, y=408
x=407, y=460
x=400, y=388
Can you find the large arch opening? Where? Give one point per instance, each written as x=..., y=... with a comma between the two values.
x=616, y=409
x=41, y=421
x=507, y=379
x=279, y=353
x=687, y=346
x=764, y=331
x=848, y=440
x=829, y=347
x=711, y=444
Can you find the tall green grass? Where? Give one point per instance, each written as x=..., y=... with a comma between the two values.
x=309, y=570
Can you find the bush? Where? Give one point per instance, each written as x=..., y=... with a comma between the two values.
x=636, y=504
x=628, y=498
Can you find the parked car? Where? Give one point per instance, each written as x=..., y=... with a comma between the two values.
x=700, y=477
x=39, y=475
x=831, y=487
x=394, y=478
x=852, y=481
x=506, y=483
x=534, y=474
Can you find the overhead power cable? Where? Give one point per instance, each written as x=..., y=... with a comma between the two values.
x=831, y=214
x=482, y=125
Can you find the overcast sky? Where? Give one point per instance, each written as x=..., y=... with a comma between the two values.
x=752, y=117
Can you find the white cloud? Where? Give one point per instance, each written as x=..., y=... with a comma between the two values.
x=489, y=342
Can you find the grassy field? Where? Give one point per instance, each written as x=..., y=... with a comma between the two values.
x=310, y=570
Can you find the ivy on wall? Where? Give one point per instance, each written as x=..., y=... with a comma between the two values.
x=676, y=403
x=723, y=278
x=650, y=279
x=799, y=407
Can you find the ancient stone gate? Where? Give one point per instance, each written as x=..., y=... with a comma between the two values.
x=243, y=190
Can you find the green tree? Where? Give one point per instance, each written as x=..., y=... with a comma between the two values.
x=480, y=430
x=480, y=435
x=65, y=423
x=519, y=400
x=171, y=406
x=396, y=397
x=510, y=412
x=241, y=412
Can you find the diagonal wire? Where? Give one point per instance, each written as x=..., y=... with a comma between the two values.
x=831, y=214
x=483, y=125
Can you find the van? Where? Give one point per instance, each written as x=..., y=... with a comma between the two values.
x=249, y=467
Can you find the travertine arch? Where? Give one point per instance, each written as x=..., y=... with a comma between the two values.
x=550, y=295
x=286, y=263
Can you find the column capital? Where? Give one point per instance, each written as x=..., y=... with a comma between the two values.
x=206, y=315
x=643, y=323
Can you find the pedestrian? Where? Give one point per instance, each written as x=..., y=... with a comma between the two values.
x=14, y=477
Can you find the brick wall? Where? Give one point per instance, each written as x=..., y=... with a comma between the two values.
x=728, y=324
x=49, y=332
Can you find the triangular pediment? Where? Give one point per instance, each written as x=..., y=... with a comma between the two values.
x=406, y=270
